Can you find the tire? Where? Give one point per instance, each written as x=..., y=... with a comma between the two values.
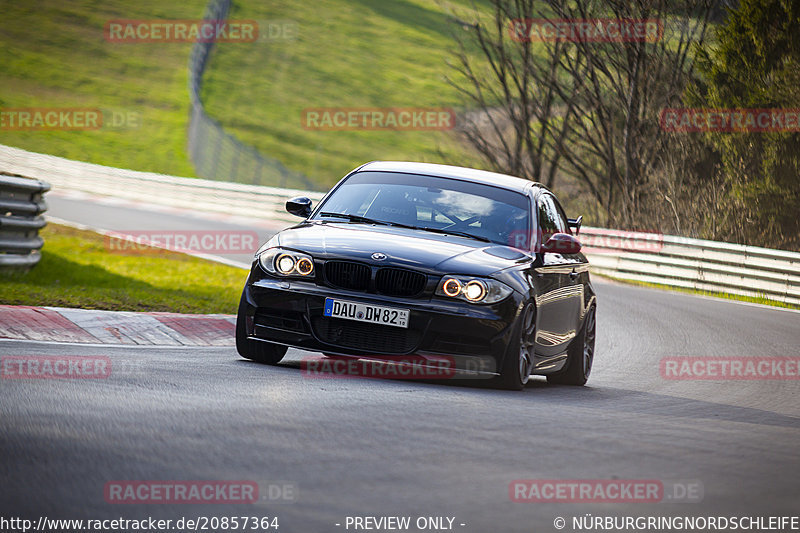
x=518, y=362
x=258, y=351
x=580, y=355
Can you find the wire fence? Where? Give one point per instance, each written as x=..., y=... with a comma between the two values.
x=218, y=155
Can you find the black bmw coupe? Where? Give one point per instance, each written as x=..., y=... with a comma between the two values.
x=427, y=261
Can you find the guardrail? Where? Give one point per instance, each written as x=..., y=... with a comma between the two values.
x=21, y=207
x=648, y=257
x=191, y=193
x=694, y=263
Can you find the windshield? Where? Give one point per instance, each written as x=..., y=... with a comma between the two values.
x=426, y=202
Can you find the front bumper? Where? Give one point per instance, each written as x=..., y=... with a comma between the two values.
x=290, y=312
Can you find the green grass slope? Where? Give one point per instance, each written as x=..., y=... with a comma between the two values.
x=347, y=53
x=54, y=54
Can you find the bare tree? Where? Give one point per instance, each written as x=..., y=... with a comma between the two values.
x=587, y=107
x=617, y=144
x=519, y=108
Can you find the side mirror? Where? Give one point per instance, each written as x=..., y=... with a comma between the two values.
x=300, y=206
x=561, y=243
x=575, y=223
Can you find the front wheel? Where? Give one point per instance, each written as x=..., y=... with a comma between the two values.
x=258, y=351
x=518, y=365
x=580, y=355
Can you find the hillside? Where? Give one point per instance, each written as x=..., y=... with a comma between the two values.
x=346, y=54
x=56, y=55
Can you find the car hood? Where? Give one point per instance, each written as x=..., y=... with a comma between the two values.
x=402, y=246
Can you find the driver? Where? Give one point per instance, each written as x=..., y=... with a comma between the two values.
x=506, y=224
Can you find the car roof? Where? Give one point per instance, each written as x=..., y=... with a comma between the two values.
x=446, y=171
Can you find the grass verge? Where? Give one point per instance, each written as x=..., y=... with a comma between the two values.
x=77, y=270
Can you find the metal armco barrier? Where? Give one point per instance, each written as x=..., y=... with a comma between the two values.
x=694, y=263
x=648, y=257
x=21, y=207
x=254, y=201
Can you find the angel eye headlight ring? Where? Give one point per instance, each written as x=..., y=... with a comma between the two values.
x=475, y=290
x=451, y=287
x=285, y=264
x=304, y=266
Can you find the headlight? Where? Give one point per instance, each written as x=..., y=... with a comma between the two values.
x=286, y=262
x=451, y=287
x=474, y=290
x=304, y=266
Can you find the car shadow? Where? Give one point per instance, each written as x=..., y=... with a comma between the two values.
x=601, y=399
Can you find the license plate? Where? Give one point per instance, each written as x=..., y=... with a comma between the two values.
x=374, y=314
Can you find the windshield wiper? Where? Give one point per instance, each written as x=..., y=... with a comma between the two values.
x=365, y=220
x=361, y=220
x=454, y=232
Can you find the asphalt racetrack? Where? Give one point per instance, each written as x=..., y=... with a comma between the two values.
x=378, y=447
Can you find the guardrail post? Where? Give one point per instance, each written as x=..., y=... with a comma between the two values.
x=21, y=206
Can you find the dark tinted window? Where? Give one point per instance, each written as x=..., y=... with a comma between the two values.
x=549, y=219
x=497, y=214
x=562, y=217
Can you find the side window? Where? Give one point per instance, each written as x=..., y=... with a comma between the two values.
x=561, y=217
x=548, y=217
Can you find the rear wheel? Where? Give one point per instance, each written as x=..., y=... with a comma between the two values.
x=518, y=365
x=258, y=351
x=580, y=355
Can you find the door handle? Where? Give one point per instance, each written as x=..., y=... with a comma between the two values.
x=573, y=275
